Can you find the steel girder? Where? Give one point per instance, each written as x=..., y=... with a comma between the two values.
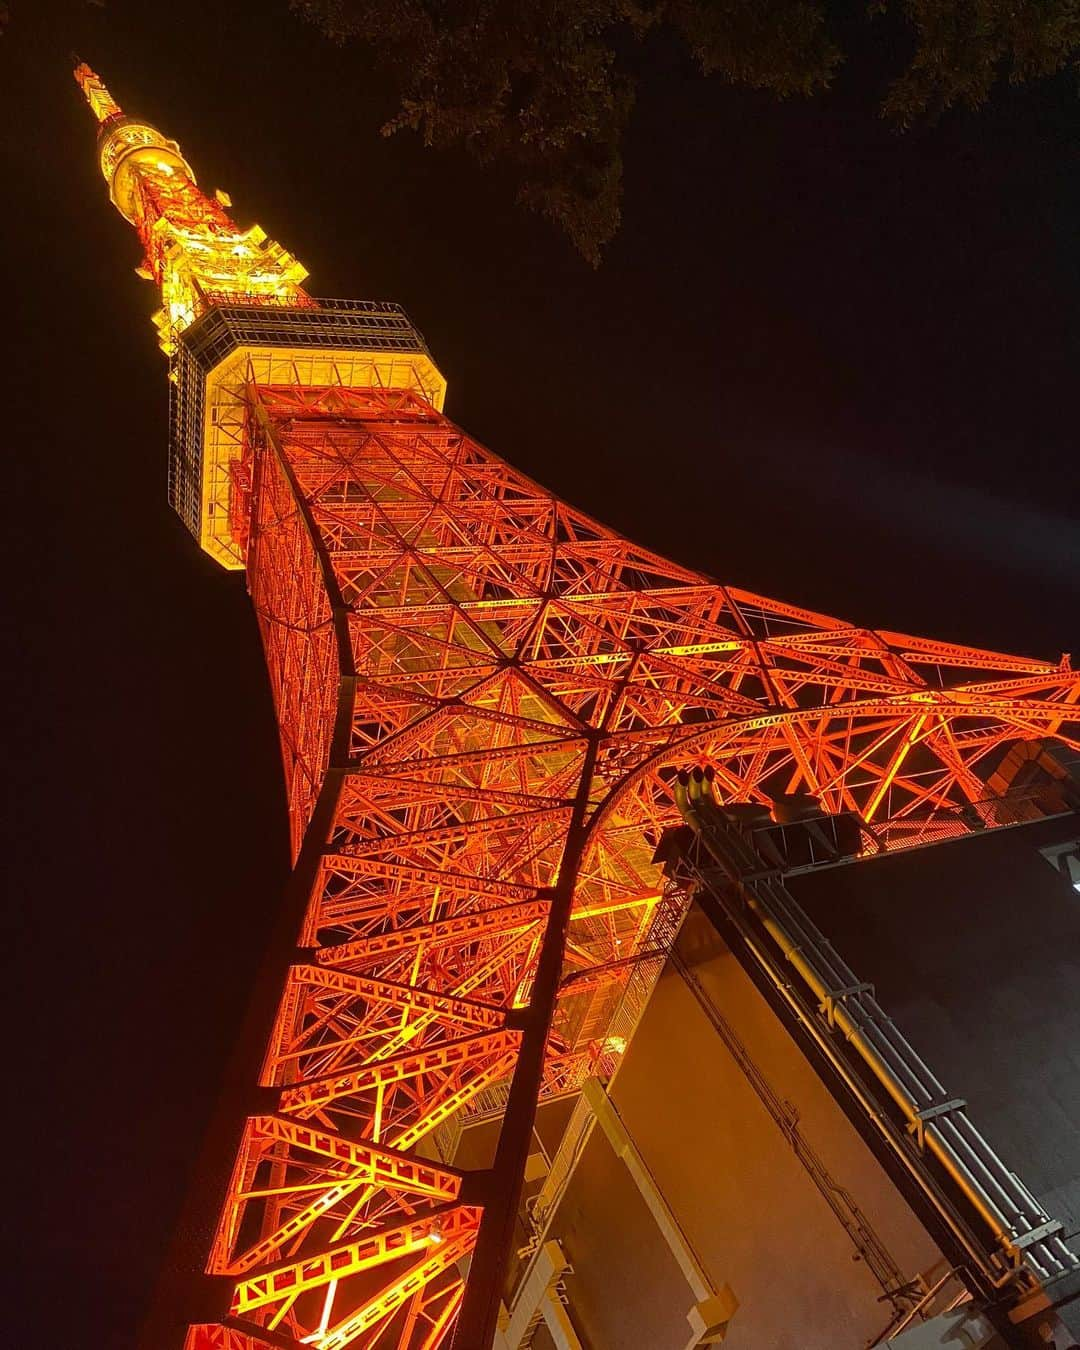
x=483, y=696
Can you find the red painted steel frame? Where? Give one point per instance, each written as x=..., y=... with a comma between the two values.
x=483, y=696
x=500, y=689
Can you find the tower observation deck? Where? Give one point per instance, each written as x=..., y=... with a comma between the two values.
x=484, y=699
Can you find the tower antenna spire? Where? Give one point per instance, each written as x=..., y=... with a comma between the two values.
x=102, y=104
x=193, y=249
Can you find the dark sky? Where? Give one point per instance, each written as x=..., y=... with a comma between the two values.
x=821, y=360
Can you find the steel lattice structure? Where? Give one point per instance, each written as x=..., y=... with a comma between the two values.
x=483, y=696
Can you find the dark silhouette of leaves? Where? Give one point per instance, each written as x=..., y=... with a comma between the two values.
x=537, y=85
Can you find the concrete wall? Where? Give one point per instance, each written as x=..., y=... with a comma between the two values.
x=729, y=1173
x=974, y=947
x=975, y=950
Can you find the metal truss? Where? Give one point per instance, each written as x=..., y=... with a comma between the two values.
x=192, y=248
x=483, y=698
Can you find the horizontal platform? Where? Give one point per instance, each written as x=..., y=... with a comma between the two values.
x=350, y=343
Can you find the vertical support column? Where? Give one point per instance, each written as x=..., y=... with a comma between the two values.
x=538, y=1299
x=478, y=1320
x=715, y=1307
x=557, y=1321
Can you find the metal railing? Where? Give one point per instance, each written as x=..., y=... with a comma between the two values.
x=1006, y=1237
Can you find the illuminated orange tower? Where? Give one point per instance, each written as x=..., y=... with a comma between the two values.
x=483, y=697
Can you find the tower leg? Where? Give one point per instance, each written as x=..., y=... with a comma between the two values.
x=478, y=1320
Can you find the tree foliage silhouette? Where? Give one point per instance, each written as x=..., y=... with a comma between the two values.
x=539, y=86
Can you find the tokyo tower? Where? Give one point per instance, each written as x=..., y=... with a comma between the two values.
x=484, y=700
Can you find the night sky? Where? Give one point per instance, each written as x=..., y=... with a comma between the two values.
x=821, y=360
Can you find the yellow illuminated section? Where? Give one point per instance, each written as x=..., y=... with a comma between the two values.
x=303, y=367
x=199, y=259
x=195, y=252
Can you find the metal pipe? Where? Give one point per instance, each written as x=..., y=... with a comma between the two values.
x=957, y=1156
x=868, y=1105
x=972, y=1152
x=982, y=1203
